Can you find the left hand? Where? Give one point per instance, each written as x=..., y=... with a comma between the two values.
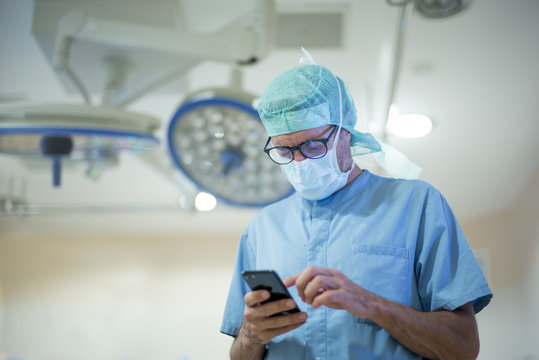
x=319, y=286
x=435, y=335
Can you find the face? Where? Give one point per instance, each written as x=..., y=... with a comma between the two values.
x=344, y=156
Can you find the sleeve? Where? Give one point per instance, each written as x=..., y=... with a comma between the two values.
x=233, y=314
x=447, y=272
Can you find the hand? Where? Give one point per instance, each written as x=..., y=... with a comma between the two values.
x=319, y=286
x=258, y=327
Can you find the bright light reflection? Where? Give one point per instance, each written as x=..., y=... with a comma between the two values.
x=205, y=201
x=408, y=126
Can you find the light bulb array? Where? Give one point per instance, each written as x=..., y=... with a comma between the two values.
x=218, y=144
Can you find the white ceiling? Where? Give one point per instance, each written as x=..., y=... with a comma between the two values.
x=475, y=74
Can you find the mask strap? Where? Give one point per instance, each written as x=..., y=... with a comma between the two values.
x=340, y=111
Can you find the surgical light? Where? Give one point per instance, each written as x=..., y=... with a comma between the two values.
x=74, y=133
x=216, y=141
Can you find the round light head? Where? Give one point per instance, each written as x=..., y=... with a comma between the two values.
x=218, y=144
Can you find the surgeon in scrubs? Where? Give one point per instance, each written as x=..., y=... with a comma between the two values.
x=378, y=266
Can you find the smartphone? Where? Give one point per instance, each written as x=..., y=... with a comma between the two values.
x=269, y=280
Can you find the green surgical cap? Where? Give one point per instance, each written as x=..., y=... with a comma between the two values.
x=306, y=97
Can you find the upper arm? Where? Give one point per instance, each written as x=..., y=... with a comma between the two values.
x=448, y=274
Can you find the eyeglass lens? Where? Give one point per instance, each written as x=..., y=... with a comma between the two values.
x=313, y=149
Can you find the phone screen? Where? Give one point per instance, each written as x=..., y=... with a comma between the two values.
x=269, y=280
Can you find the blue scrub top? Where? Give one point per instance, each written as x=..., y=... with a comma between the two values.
x=396, y=238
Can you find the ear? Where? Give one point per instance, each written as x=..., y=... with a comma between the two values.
x=344, y=142
x=345, y=134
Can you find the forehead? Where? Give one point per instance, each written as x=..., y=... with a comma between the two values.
x=298, y=137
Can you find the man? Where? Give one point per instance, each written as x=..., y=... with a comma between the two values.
x=381, y=267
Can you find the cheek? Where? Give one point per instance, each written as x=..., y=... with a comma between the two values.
x=344, y=157
x=345, y=163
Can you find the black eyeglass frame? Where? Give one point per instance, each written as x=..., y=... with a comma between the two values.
x=324, y=141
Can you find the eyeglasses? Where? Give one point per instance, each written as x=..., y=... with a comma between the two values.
x=312, y=149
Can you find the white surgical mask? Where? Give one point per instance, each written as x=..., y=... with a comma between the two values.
x=316, y=179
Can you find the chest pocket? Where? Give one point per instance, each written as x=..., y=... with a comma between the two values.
x=382, y=269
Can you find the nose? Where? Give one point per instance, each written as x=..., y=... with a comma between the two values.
x=298, y=156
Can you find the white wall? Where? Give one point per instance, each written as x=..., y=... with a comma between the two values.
x=509, y=326
x=133, y=297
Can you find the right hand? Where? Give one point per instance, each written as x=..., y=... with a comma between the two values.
x=258, y=327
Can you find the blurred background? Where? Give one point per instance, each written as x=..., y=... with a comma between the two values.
x=131, y=156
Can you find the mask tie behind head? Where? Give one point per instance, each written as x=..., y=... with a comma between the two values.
x=307, y=59
x=390, y=159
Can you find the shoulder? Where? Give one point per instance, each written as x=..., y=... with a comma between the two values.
x=421, y=196
x=402, y=187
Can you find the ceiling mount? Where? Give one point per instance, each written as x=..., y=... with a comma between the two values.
x=129, y=56
x=122, y=56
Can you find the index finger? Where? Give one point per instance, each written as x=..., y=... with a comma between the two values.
x=305, y=277
x=291, y=280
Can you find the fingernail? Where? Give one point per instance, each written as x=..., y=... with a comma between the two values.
x=290, y=303
x=303, y=317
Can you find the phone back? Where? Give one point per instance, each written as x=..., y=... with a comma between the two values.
x=268, y=280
